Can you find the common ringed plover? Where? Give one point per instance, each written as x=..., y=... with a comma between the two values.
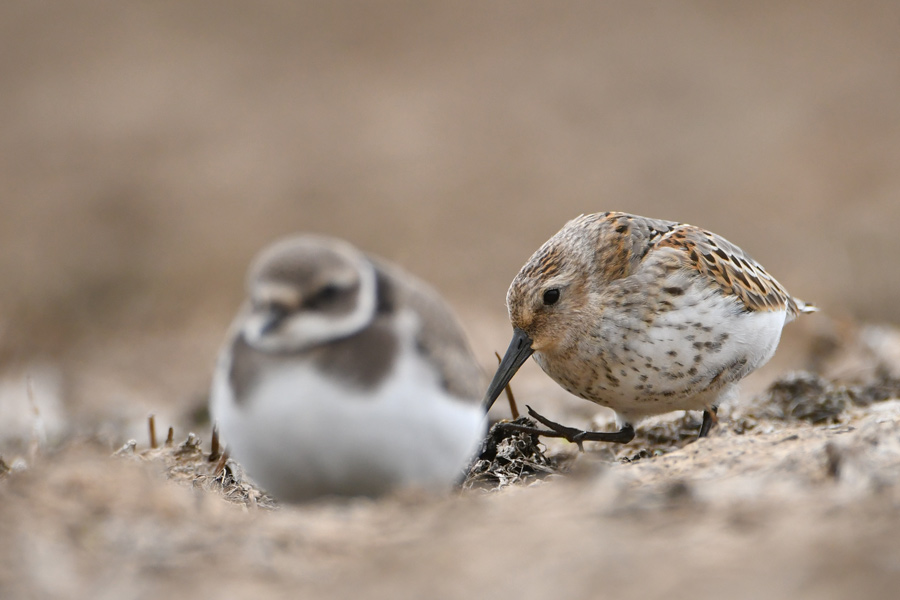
x=344, y=375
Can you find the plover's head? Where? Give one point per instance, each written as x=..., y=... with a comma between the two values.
x=307, y=290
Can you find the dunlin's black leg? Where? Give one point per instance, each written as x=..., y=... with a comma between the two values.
x=576, y=436
x=709, y=420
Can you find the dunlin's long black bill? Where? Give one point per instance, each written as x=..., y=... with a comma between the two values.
x=518, y=352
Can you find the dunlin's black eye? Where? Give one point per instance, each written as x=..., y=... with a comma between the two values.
x=551, y=296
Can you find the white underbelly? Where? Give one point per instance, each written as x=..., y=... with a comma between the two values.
x=301, y=434
x=683, y=360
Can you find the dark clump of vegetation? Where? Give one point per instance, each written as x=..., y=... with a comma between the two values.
x=189, y=464
x=805, y=396
x=510, y=457
x=883, y=387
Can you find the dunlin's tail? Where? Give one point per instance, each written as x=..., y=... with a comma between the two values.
x=805, y=307
x=800, y=308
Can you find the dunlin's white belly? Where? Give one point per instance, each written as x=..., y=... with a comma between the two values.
x=684, y=360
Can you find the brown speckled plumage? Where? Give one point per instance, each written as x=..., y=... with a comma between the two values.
x=646, y=316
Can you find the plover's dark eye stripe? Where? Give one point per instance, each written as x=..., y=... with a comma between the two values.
x=323, y=296
x=281, y=308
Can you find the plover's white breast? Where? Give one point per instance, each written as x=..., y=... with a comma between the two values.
x=301, y=432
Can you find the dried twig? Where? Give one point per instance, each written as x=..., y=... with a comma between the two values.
x=509, y=395
x=151, y=423
x=220, y=465
x=38, y=431
x=214, y=445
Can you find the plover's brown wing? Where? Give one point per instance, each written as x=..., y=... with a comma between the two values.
x=440, y=337
x=733, y=270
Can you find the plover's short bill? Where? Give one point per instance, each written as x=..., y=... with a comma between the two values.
x=644, y=317
x=343, y=375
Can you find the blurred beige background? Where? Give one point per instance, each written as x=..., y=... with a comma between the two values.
x=149, y=149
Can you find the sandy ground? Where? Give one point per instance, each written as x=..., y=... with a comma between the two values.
x=149, y=149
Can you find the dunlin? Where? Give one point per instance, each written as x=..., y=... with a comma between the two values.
x=642, y=316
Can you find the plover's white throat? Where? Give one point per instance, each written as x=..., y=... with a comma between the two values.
x=642, y=316
x=343, y=375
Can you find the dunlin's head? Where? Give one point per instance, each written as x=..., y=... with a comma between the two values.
x=305, y=291
x=547, y=299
